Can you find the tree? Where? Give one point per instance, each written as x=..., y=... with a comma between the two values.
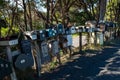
x=102, y=9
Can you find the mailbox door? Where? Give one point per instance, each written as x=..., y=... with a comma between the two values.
x=45, y=57
x=55, y=48
x=69, y=38
x=5, y=68
x=23, y=61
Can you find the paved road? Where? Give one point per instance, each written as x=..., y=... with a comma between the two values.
x=95, y=65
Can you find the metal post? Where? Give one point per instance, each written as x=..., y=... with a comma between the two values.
x=13, y=74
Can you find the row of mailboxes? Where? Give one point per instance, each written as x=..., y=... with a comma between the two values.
x=53, y=47
x=51, y=32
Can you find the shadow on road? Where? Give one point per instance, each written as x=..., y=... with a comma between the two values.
x=95, y=65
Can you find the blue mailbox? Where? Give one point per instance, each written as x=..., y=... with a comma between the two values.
x=54, y=32
x=60, y=29
x=49, y=33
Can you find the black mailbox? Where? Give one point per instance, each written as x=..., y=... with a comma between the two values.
x=5, y=68
x=25, y=59
x=67, y=31
x=45, y=57
x=41, y=35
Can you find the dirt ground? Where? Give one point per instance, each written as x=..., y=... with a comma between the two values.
x=93, y=65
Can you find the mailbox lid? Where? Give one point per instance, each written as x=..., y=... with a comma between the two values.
x=24, y=61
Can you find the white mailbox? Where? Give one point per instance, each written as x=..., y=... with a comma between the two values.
x=31, y=34
x=72, y=30
x=69, y=38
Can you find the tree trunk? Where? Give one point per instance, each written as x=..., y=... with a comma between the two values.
x=102, y=9
x=25, y=16
x=30, y=16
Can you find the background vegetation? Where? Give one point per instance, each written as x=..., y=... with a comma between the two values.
x=29, y=14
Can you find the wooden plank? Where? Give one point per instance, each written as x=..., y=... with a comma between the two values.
x=9, y=42
x=13, y=74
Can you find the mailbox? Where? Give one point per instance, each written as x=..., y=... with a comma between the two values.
x=77, y=29
x=55, y=32
x=31, y=34
x=41, y=35
x=55, y=47
x=67, y=31
x=80, y=29
x=26, y=47
x=90, y=29
x=45, y=57
x=23, y=61
x=49, y=33
x=5, y=68
x=72, y=30
x=60, y=29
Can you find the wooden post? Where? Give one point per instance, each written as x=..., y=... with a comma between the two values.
x=48, y=14
x=13, y=74
x=38, y=59
x=80, y=41
x=95, y=40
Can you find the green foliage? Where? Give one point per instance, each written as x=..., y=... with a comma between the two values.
x=4, y=31
x=111, y=10
x=1, y=3
x=80, y=17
